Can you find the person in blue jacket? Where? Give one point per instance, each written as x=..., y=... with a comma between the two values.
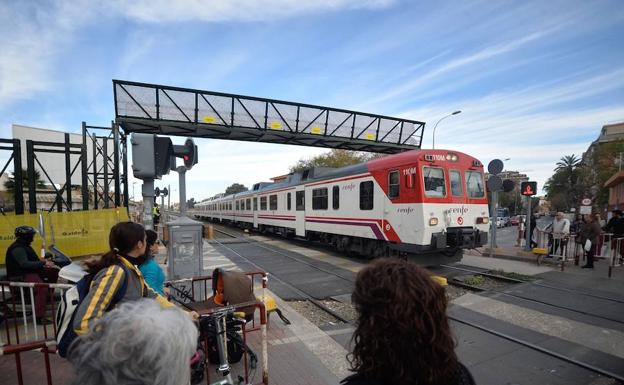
x=152, y=273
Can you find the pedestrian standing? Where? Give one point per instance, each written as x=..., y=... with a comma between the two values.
x=615, y=226
x=591, y=233
x=402, y=333
x=560, y=234
x=153, y=274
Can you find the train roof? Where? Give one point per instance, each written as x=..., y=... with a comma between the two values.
x=318, y=174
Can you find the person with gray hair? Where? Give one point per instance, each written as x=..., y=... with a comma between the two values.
x=138, y=342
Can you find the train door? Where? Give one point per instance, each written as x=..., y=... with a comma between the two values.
x=255, y=212
x=300, y=205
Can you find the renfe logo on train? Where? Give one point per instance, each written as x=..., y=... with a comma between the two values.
x=457, y=210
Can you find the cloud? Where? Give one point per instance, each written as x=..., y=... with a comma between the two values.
x=163, y=11
x=534, y=125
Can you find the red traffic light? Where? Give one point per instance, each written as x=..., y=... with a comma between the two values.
x=528, y=188
x=186, y=158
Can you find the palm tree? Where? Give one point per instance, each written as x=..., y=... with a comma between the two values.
x=567, y=169
x=568, y=163
x=9, y=185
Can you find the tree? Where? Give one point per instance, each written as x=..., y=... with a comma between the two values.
x=335, y=158
x=235, y=188
x=9, y=185
x=565, y=188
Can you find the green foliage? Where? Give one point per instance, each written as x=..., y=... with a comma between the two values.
x=564, y=188
x=335, y=158
x=574, y=180
x=9, y=185
x=235, y=188
x=475, y=280
x=518, y=276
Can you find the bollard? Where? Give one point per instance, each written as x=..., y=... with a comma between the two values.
x=208, y=231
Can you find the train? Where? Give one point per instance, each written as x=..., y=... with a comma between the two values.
x=426, y=205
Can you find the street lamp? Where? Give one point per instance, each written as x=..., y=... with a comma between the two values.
x=441, y=119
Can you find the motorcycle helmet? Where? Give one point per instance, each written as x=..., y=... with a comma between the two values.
x=25, y=232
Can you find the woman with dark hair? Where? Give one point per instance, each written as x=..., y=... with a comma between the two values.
x=114, y=271
x=402, y=334
x=153, y=274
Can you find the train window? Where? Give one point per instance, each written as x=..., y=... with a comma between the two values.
x=319, y=199
x=300, y=200
x=273, y=202
x=393, y=184
x=248, y=204
x=263, y=205
x=336, y=197
x=435, y=185
x=237, y=205
x=474, y=184
x=366, y=195
x=255, y=204
x=456, y=183
x=288, y=203
x=230, y=206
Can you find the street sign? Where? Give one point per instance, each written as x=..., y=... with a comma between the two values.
x=528, y=188
x=495, y=166
x=586, y=202
x=585, y=210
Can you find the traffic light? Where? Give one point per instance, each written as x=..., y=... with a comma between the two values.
x=188, y=153
x=528, y=188
x=154, y=156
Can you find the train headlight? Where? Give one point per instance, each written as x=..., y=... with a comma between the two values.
x=483, y=220
x=452, y=157
x=433, y=221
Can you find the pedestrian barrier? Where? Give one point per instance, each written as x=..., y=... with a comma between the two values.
x=616, y=257
x=555, y=247
x=77, y=233
x=22, y=331
x=194, y=290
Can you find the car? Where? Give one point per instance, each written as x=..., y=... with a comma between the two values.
x=500, y=222
x=514, y=220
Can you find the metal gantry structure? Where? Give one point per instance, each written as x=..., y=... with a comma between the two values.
x=102, y=160
x=103, y=178
x=158, y=109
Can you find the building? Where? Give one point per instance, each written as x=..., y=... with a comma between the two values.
x=615, y=184
x=609, y=133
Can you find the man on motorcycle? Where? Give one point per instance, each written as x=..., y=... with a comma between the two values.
x=23, y=264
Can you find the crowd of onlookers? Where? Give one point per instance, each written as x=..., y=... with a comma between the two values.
x=587, y=231
x=127, y=332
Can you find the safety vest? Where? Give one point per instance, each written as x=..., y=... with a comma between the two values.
x=156, y=211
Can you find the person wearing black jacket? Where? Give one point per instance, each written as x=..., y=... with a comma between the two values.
x=615, y=226
x=23, y=264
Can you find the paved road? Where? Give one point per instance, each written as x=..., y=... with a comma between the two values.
x=507, y=236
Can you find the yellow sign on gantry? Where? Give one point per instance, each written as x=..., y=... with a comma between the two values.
x=75, y=233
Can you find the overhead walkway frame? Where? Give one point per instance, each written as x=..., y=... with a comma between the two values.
x=164, y=110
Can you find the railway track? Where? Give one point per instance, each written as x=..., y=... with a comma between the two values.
x=305, y=295
x=460, y=320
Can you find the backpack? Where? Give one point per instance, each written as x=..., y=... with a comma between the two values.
x=69, y=303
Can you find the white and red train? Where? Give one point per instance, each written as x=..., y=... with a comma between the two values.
x=426, y=204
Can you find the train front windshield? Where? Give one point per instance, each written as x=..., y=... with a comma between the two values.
x=474, y=184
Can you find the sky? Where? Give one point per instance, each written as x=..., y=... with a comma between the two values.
x=535, y=80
